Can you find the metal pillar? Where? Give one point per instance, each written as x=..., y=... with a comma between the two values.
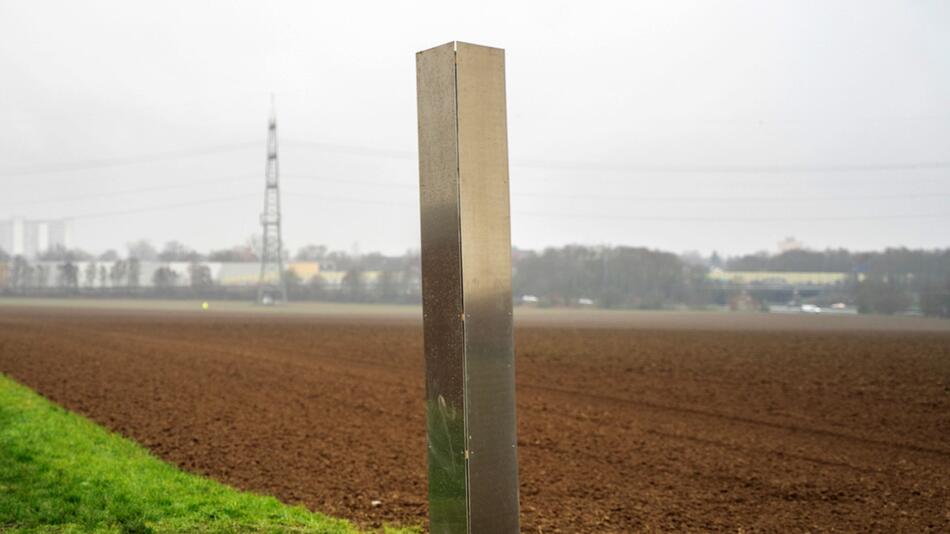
x=466, y=290
x=271, y=287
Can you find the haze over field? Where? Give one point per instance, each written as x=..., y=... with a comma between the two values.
x=678, y=125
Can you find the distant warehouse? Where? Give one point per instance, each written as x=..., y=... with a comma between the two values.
x=753, y=289
x=91, y=274
x=778, y=278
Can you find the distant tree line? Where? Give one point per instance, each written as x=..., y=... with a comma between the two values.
x=890, y=281
x=610, y=277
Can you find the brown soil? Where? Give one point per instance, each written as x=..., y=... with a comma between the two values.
x=620, y=429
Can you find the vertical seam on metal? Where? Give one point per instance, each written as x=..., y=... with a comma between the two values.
x=458, y=201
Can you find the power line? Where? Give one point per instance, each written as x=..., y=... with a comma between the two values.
x=164, y=207
x=644, y=218
x=358, y=150
x=348, y=181
x=126, y=160
x=731, y=198
x=736, y=168
x=640, y=168
x=361, y=150
x=639, y=198
x=414, y=188
x=352, y=200
x=122, y=192
x=674, y=218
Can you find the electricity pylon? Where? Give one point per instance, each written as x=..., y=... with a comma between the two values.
x=271, y=287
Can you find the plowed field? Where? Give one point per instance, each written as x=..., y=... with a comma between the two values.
x=620, y=429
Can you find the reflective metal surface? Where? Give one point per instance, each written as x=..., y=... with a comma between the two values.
x=441, y=289
x=466, y=277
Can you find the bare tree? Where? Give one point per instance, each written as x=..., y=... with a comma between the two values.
x=59, y=252
x=164, y=278
x=68, y=276
x=21, y=273
x=200, y=276
x=388, y=286
x=118, y=273
x=317, y=287
x=353, y=284
x=89, y=274
x=142, y=250
x=293, y=282
x=235, y=254
x=176, y=251
x=42, y=276
x=135, y=272
x=311, y=253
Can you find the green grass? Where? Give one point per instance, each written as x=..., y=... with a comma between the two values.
x=59, y=472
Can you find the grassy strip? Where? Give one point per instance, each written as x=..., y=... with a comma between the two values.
x=60, y=472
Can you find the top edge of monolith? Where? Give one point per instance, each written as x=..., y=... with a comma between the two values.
x=455, y=46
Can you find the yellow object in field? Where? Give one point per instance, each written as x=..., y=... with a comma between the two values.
x=204, y=305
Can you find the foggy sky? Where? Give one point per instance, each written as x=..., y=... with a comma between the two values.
x=677, y=125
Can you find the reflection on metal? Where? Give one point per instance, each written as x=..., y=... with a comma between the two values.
x=466, y=287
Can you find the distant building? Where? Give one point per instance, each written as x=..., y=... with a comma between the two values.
x=748, y=290
x=99, y=274
x=30, y=238
x=777, y=279
x=789, y=244
x=92, y=274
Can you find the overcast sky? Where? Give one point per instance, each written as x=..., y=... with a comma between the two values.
x=677, y=125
